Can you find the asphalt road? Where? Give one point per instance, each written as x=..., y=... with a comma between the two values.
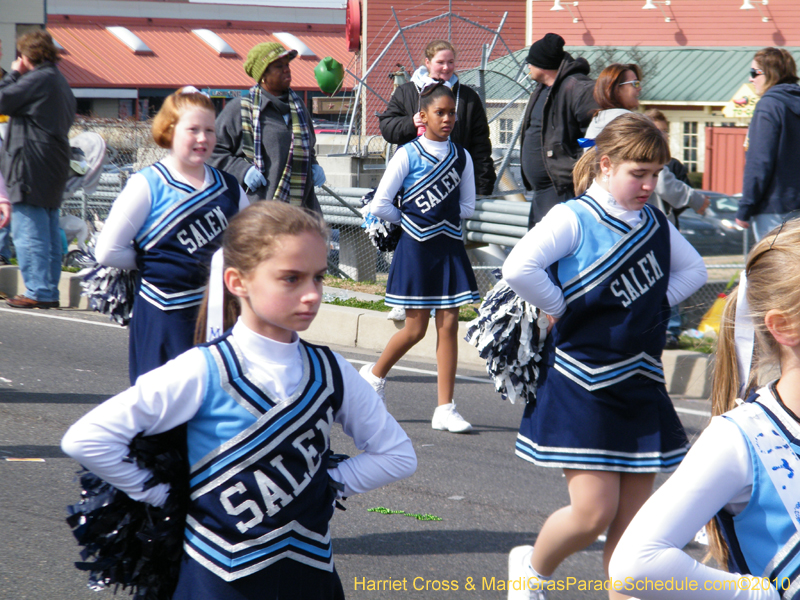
x=57, y=365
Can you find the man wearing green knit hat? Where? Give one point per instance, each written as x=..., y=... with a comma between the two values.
x=265, y=138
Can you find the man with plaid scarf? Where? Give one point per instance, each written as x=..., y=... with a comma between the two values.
x=265, y=138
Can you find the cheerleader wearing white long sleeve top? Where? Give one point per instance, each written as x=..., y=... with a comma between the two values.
x=258, y=404
x=716, y=475
x=740, y=476
x=430, y=267
x=172, y=395
x=560, y=235
x=604, y=267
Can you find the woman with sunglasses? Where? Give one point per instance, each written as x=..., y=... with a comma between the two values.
x=617, y=92
x=771, y=188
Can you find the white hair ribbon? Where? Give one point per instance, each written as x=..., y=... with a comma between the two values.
x=190, y=89
x=216, y=289
x=744, y=333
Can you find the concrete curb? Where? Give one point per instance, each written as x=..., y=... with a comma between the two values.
x=687, y=374
x=69, y=288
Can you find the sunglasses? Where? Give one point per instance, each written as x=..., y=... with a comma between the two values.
x=634, y=82
x=755, y=73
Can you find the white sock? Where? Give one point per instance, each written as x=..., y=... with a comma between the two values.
x=533, y=571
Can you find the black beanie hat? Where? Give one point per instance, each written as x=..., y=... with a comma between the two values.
x=547, y=53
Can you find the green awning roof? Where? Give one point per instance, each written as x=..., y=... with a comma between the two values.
x=697, y=75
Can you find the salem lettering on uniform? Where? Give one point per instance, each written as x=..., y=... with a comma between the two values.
x=632, y=285
x=203, y=229
x=438, y=191
x=273, y=496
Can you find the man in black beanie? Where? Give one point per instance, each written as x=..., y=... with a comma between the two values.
x=558, y=113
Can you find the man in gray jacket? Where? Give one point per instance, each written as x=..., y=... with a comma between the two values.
x=265, y=138
x=34, y=161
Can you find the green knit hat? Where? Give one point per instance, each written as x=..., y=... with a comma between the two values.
x=263, y=55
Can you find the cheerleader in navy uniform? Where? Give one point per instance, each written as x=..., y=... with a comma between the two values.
x=740, y=477
x=167, y=223
x=258, y=404
x=605, y=267
x=430, y=268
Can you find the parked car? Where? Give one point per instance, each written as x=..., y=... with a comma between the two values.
x=721, y=213
x=323, y=126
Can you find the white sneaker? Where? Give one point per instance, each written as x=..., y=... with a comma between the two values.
x=377, y=383
x=446, y=418
x=522, y=576
x=398, y=313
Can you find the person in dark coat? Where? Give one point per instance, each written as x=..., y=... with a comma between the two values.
x=558, y=113
x=400, y=122
x=259, y=156
x=771, y=188
x=34, y=161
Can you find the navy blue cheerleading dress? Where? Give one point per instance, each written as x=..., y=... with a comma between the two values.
x=601, y=402
x=430, y=267
x=173, y=254
x=244, y=444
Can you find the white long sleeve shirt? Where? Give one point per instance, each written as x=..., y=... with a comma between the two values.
x=397, y=170
x=127, y=216
x=172, y=394
x=716, y=473
x=558, y=235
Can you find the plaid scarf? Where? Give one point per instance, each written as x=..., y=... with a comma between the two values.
x=293, y=180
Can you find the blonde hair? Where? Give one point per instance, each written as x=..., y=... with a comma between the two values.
x=171, y=111
x=773, y=283
x=437, y=46
x=631, y=137
x=252, y=237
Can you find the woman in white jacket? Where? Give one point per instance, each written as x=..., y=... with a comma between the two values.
x=617, y=92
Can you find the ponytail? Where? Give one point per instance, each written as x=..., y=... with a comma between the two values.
x=252, y=237
x=585, y=171
x=724, y=391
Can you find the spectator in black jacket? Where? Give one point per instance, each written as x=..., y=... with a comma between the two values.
x=558, y=113
x=34, y=160
x=400, y=122
x=771, y=189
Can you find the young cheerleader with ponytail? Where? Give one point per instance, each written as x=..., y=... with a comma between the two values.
x=741, y=475
x=604, y=267
x=258, y=404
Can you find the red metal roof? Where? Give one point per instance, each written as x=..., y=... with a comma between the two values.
x=95, y=58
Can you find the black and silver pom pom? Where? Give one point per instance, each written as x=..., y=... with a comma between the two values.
x=110, y=291
x=509, y=334
x=383, y=235
x=129, y=544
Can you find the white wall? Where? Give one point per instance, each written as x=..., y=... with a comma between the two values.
x=13, y=12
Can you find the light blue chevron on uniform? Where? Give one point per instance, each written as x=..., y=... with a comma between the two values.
x=265, y=433
x=164, y=216
x=171, y=301
x=425, y=233
x=609, y=261
x=600, y=377
x=420, y=185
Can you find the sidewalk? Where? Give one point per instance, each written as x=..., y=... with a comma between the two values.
x=687, y=373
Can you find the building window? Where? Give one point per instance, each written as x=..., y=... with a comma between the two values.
x=506, y=131
x=690, y=144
